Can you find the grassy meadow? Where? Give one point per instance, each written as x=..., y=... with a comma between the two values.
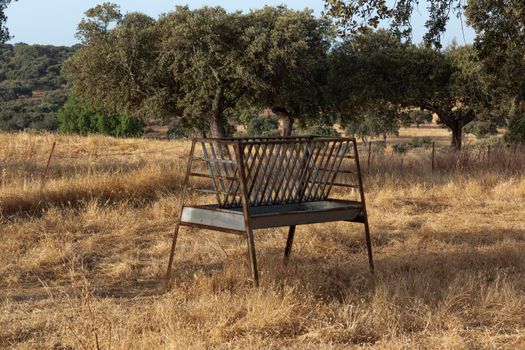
x=83, y=256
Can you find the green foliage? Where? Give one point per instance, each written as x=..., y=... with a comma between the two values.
x=179, y=128
x=419, y=117
x=36, y=114
x=117, y=68
x=4, y=33
x=385, y=70
x=423, y=141
x=37, y=67
x=199, y=64
x=31, y=86
x=286, y=61
x=78, y=118
x=376, y=119
x=481, y=128
x=263, y=126
x=321, y=130
x=416, y=142
x=400, y=147
x=360, y=16
x=499, y=41
x=516, y=131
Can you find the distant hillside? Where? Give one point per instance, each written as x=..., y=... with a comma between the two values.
x=32, y=88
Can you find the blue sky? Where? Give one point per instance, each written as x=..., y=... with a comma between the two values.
x=55, y=21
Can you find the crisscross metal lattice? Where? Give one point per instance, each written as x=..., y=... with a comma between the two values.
x=276, y=170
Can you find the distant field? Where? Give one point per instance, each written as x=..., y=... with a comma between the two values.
x=82, y=256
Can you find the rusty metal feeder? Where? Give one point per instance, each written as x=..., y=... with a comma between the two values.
x=265, y=182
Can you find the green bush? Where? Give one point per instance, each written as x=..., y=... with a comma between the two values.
x=41, y=114
x=516, y=132
x=76, y=118
x=417, y=142
x=400, y=147
x=321, y=130
x=179, y=129
x=263, y=126
x=419, y=117
x=481, y=128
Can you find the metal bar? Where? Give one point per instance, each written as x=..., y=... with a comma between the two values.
x=285, y=176
x=280, y=156
x=206, y=190
x=251, y=158
x=226, y=168
x=363, y=210
x=213, y=177
x=268, y=180
x=210, y=169
x=289, y=243
x=200, y=159
x=218, y=168
x=321, y=178
x=177, y=225
x=328, y=173
x=332, y=180
x=341, y=185
x=315, y=170
x=306, y=172
x=235, y=168
x=246, y=214
x=256, y=178
x=291, y=182
x=266, y=175
x=212, y=228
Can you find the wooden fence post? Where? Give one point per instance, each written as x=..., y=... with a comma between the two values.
x=433, y=156
x=369, y=155
x=44, y=175
x=488, y=155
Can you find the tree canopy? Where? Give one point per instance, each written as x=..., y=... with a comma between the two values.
x=4, y=32
x=199, y=64
x=204, y=68
x=359, y=16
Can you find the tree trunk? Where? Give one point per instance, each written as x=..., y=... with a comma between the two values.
x=286, y=120
x=456, y=120
x=217, y=122
x=457, y=131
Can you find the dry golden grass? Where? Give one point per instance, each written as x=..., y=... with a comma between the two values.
x=82, y=258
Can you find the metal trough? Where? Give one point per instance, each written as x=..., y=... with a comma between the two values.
x=272, y=182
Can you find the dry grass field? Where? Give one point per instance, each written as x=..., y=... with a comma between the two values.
x=82, y=257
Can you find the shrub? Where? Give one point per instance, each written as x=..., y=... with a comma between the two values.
x=76, y=118
x=417, y=142
x=178, y=128
x=419, y=117
x=321, y=130
x=263, y=126
x=481, y=128
x=516, y=132
x=400, y=147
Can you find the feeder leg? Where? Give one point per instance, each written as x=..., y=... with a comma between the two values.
x=289, y=242
x=253, y=257
x=369, y=245
x=172, y=253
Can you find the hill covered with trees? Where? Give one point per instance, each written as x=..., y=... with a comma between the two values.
x=32, y=87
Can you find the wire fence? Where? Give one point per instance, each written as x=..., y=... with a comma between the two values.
x=39, y=162
x=48, y=160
